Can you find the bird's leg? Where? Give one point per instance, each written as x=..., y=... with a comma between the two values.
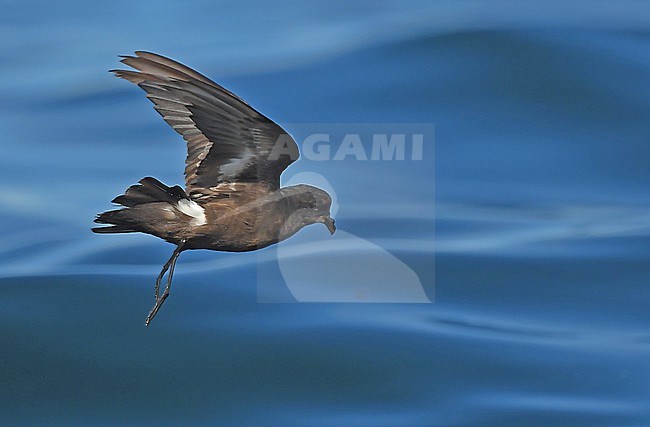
x=161, y=275
x=169, y=265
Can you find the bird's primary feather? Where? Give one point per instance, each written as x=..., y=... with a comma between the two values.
x=228, y=141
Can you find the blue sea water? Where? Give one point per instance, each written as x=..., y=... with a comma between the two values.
x=537, y=214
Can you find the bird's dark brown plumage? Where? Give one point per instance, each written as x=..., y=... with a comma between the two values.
x=232, y=200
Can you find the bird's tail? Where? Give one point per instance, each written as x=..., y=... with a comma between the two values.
x=148, y=190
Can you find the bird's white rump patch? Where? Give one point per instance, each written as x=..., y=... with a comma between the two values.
x=191, y=208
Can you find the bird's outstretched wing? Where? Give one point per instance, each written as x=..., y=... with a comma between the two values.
x=228, y=141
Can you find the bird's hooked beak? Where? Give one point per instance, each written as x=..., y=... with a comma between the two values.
x=329, y=223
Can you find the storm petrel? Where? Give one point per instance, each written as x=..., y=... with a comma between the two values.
x=232, y=200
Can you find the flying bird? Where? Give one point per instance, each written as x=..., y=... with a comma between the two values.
x=232, y=200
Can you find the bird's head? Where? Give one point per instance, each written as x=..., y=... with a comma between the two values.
x=312, y=205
